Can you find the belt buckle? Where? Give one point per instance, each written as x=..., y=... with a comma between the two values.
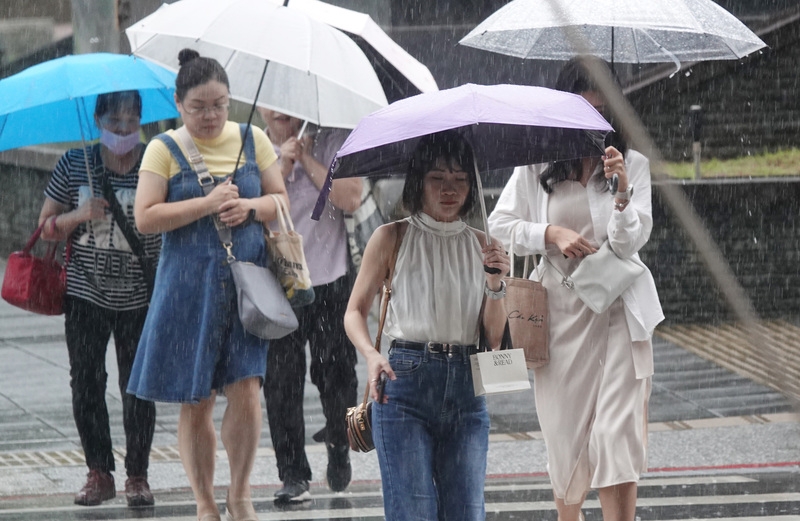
x=441, y=348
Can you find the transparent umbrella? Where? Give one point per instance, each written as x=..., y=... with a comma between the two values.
x=625, y=31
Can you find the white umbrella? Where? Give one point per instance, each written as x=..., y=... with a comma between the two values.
x=401, y=74
x=626, y=31
x=313, y=71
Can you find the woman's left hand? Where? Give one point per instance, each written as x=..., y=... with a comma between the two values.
x=494, y=256
x=235, y=211
x=614, y=163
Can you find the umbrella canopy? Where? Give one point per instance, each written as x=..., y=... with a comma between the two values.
x=400, y=74
x=314, y=71
x=54, y=101
x=507, y=125
x=626, y=31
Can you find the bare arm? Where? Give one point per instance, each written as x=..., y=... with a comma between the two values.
x=67, y=220
x=494, y=311
x=371, y=276
x=155, y=215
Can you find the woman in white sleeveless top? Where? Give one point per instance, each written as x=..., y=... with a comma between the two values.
x=431, y=433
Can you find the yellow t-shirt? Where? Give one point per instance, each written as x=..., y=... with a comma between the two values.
x=219, y=153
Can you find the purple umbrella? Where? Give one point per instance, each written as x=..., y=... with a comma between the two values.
x=507, y=125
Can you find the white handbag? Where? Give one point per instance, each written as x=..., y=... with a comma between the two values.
x=601, y=277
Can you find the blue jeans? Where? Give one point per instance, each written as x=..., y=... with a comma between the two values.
x=431, y=438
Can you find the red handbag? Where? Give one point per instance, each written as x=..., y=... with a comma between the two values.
x=33, y=283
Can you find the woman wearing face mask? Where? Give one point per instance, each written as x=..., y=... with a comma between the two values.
x=106, y=292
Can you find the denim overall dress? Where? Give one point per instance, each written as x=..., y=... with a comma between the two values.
x=192, y=340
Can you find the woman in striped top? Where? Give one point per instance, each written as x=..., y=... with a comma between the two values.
x=106, y=292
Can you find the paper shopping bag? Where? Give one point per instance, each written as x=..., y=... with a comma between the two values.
x=497, y=372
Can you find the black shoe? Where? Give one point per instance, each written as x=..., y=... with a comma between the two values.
x=339, y=470
x=293, y=491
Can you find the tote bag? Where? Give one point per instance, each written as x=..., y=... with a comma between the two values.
x=526, y=307
x=36, y=284
x=286, y=253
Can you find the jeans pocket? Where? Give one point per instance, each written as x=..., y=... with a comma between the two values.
x=405, y=361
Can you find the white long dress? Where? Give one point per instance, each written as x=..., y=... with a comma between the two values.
x=591, y=407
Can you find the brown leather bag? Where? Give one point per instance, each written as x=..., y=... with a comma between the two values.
x=359, y=418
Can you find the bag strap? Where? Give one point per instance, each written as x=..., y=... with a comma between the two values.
x=122, y=220
x=284, y=219
x=207, y=184
x=387, y=293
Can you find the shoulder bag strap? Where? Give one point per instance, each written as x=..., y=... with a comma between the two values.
x=387, y=293
x=122, y=220
x=207, y=183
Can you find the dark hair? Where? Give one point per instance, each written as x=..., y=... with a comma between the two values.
x=453, y=149
x=196, y=70
x=112, y=101
x=575, y=77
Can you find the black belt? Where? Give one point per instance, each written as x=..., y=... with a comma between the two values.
x=436, y=347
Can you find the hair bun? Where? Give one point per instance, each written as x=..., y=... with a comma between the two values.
x=187, y=55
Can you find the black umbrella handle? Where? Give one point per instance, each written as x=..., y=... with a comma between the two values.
x=491, y=271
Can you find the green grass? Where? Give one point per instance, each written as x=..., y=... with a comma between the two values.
x=782, y=163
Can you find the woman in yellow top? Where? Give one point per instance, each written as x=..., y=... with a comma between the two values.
x=193, y=345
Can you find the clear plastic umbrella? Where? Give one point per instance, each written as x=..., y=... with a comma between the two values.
x=275, y=56
x=625, y=31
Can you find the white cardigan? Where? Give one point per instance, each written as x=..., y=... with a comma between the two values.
x=524, y=203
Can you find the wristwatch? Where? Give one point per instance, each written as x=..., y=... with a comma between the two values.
x=495, y=295
x=626, y=195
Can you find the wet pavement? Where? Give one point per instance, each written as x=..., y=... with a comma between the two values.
x=720, y=446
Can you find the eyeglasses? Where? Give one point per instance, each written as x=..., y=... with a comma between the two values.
x=205, y=111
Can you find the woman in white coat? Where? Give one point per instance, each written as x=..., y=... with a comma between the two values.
x=592, y=397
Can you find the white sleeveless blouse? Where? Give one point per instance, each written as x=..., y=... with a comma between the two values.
x=438, y=283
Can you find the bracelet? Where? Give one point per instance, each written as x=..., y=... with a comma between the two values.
x=621, y=206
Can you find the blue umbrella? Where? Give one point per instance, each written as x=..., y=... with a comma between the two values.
x=53, y=102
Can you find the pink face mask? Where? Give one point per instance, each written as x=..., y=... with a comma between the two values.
x=119, y=145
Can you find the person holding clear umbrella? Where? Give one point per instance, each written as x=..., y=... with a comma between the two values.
x=194, y=346
x=591, y=398
x=107, y=291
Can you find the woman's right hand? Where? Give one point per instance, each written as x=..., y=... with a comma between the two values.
x=224, y=191
x=571, y=243
x=93, y=209
x=376, y=365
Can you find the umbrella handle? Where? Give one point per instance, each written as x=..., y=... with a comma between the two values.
x=479, y=186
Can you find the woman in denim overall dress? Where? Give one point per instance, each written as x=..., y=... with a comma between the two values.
x=193, y=345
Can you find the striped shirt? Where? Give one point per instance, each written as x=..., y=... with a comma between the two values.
x=102, y=268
